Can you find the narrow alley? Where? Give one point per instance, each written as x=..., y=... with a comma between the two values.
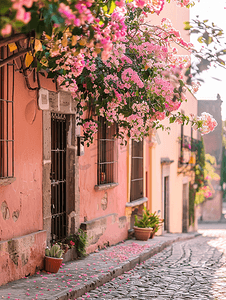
x=171, y=266
x=192, y=269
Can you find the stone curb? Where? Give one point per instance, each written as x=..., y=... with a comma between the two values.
x=117, y=271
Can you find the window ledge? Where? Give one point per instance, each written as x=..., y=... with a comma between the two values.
x=166, y=161
x=105, y=186
x=7, y=181
x=137, y=202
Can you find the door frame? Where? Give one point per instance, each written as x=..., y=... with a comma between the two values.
x=166, y=173
x=72, y=175
x=185, y=206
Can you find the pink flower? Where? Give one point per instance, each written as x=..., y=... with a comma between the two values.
x=140, y=3
x=6, y=30
x=120, y=3
x=72, y=243
x=22, y=15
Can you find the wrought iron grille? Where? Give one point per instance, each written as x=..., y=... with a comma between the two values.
x=136, y=171
x=166, y=203
x=6, y=116
x=187, y=145
x=58, y=177
x=107, y=161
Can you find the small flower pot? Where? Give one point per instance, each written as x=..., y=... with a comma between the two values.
x=142, y=234
x=52, y=264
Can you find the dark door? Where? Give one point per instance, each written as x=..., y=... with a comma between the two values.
x=58, y=176
x=185, y=208
x=166, y=203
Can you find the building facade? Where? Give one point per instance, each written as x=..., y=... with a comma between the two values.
x=51, y=184
x=211, y=209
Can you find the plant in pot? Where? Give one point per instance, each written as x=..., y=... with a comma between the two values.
x=53, y=258
x=143, y=226
x=66, y=244
x=156, y=222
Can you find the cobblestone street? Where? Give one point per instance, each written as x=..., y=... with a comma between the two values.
x=194, y=269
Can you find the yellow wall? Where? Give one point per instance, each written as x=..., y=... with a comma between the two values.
x=168, y=146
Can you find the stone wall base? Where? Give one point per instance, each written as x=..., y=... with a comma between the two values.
x=70, y=255
x=105, y=231
x=22, y=256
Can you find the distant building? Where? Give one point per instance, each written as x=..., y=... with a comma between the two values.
x=213, y=140
x=211, y=209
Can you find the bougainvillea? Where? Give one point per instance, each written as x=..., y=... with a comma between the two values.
x=208, y=123
x=114, y=63
x=137, y=82
x=25, y=15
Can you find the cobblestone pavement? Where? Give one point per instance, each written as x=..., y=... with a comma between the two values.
x=77, y=277
x=194, y=269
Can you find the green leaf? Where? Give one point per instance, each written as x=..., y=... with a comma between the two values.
x=57, y=19
x=77, y=31
x=181, y=83
x=60, y=34
x=110, y=7
x=38, y=66
x=210, y=39
x=4, y=6
x=221, y=61
x=187, y=26
x=172, y=119
x=91, y=30
x=200, y=39
x=51, y=75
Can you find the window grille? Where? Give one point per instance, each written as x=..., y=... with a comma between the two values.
x=181, y=156
x=6, y=117
x=107, y=162
x=58, y=176
x=137, y=171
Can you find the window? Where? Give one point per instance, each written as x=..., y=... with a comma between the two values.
x=6, y=119
x=137, y=179
x=107, y=164
x=181, y=158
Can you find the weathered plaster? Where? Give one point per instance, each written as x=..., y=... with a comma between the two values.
x=21, y=256
x=5, y=211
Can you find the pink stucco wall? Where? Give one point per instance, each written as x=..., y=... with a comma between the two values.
x=22, y=241
x=25, y=194
x=90, y=199
x=21, y=256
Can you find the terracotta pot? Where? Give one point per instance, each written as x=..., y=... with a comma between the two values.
x=52, y=264
x=142, y=234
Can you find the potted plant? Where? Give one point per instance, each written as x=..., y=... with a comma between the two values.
x=156, y=222
x=53, y=258
x=143, y=226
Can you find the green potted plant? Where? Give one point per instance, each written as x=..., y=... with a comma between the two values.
x=156, y=222
x=143, y=226
x=53, y=258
